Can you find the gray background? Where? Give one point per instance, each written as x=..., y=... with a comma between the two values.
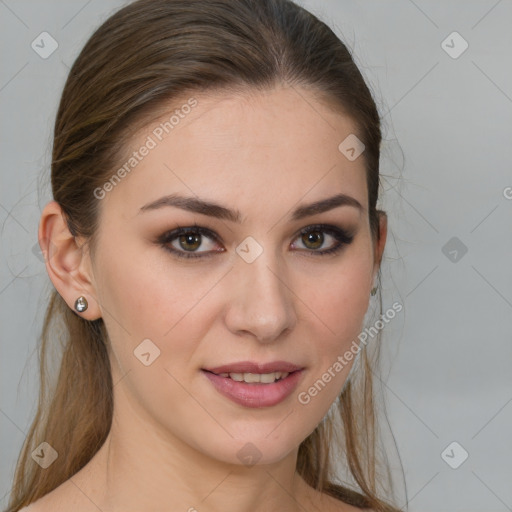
x=447, y=159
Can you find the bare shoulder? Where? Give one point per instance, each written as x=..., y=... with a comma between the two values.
x=62, y=499
x=41, y=505
x=33, y=507
x=44, y=504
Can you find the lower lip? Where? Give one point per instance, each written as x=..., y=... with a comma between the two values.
x=255, y=394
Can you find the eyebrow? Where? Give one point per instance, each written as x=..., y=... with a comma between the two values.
x=211, y=209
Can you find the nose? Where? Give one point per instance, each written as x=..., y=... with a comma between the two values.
x=261, y=303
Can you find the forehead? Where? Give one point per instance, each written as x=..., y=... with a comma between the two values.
x=277, y=146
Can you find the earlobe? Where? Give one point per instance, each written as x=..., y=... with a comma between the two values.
x=66, y=262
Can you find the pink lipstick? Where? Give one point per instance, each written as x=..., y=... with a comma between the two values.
x=253, y=384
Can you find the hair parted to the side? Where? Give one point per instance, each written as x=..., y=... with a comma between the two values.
x=140, y=60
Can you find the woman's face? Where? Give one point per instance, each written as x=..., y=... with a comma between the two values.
x=246, y=291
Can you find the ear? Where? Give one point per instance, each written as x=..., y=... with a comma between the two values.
x=67, y=262
x=381, y=242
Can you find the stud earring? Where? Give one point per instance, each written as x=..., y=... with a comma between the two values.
x=373, y=291
x=81, y=304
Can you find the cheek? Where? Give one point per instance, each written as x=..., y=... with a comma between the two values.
x=337, y=312
x=143, y=298
x=156, y=304
x=342, y=300
x=144, y=291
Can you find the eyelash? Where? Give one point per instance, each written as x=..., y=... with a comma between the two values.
x=343, y=238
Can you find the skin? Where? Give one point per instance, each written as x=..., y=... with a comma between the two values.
x=174, y=439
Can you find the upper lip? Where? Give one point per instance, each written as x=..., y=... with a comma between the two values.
x=253, y=367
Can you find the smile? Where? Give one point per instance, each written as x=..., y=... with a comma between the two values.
x=255, y=390
x=264, y=378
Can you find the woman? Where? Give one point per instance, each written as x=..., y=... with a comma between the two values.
x=214, y=244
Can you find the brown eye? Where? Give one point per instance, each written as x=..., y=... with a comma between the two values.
x=190, y=242
x=186, y=242
x=313, y=239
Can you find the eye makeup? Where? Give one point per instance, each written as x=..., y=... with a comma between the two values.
x=194, y=236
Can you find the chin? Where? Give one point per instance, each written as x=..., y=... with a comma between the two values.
x=268, y=445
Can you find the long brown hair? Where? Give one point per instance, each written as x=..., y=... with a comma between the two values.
x=148, y=54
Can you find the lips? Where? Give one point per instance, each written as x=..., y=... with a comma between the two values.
x=252, y=367
x=254, y=393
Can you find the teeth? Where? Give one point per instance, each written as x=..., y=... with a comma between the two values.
x=269, y=377
x=265, y=378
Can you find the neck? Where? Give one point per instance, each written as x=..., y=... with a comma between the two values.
x=141, y=468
